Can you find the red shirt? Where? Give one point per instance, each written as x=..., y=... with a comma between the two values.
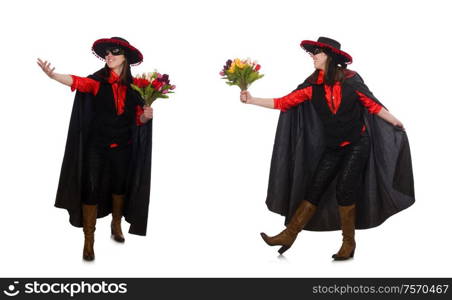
x=88, y=85
x=333, y=97
x=333, y=101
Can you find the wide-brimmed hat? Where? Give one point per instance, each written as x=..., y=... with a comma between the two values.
x=333, y=48
x=133, y=55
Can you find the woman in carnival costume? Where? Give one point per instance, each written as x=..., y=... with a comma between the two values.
x=107, y=160
x=340, y=160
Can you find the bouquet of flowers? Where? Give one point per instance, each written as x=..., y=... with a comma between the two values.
x=152, y=86
x=241, y=72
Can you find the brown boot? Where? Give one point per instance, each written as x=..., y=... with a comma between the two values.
x=89, y=226
x=348, y=217
x=117, y=212
x=302, y=215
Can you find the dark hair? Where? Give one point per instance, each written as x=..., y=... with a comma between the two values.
x=334, y=70
x=125, y=77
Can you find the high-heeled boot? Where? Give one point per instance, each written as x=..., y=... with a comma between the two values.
x=89, y=226
x=287, y=237
x=117, y=212
x=348, y=217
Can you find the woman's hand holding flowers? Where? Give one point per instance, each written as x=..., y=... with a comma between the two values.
x=148, y=112
x=245, y=97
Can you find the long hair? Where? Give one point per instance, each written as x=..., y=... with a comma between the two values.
x=125, y=77
x=334, y=70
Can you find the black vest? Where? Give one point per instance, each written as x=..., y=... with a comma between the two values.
x=347, y=123
x=108, y=127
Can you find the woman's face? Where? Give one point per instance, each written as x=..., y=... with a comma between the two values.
x=114, y=62
x=319, y=60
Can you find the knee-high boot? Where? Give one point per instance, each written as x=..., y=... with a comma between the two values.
x=117, y=212
x=89, y=226
x=287, y=237
x=348, y=217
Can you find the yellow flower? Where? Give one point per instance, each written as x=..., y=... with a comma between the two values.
x=239, y=63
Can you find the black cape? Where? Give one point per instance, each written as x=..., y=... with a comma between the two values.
x=388, y=179
x=69, y=194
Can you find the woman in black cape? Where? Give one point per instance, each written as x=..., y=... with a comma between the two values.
x=341, y=160
x=107, y=161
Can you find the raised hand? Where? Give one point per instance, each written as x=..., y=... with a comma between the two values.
x=45, y=66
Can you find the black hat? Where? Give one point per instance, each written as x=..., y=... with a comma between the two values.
x=133, y=55
x=333, y=46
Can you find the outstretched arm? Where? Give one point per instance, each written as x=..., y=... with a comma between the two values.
x=388, y=117
x=293, y=99
x=376, y=108
x=62, y=78
x=246, y=97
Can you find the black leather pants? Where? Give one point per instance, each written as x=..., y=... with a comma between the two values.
x=347, y=163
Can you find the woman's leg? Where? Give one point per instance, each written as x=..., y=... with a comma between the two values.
x=325, y=173
x=93, y=164
x=89, y=226
x=350, y=180
x=119, y=159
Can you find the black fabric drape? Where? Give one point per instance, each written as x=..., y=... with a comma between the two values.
x=299, y=143
x=69, y=193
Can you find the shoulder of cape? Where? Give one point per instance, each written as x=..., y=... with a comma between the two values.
x=356, y=82
x=303, y=85
x=97, y=76
x=352, y=78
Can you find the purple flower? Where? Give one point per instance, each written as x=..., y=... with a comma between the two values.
x=173, y=87
x=228, y=65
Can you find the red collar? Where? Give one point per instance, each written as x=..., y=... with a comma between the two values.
x=114, y=78
x=320, y=77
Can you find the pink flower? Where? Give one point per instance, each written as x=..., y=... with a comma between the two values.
x=165, y=92
x=173, y=87
x=222, y=73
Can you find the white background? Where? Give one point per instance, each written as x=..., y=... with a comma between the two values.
x=211, y=153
